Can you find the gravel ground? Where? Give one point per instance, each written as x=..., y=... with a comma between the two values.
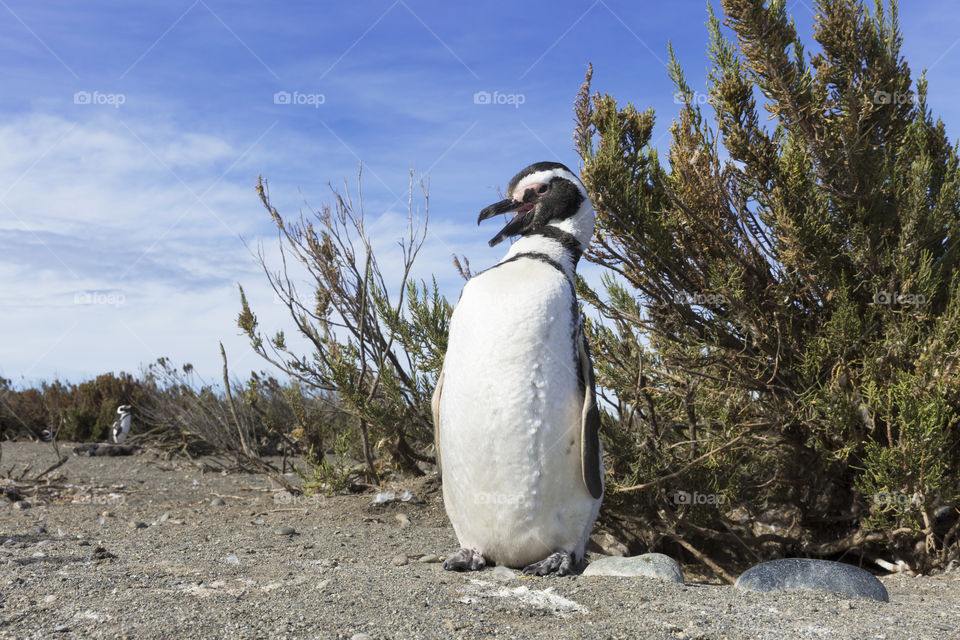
x=210, y=555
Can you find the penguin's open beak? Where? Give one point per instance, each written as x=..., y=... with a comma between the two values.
x=517, y=224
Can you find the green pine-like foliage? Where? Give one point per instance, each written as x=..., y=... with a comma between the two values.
x=785, y=323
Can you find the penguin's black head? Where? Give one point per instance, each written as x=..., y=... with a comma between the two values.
x=539, y=194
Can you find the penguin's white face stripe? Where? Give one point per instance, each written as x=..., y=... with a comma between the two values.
x=545, y=177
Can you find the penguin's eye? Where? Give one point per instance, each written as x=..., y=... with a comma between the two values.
x=542, y=189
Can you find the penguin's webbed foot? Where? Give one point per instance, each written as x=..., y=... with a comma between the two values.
x=465, y=560
x=561, y=562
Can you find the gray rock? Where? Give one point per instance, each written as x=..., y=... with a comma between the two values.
x=22, y=504
x=164, y=517
x=134, y=524
x=790, y=574
x=361, y=636
x=649, y=565
x=403, y=520
x=285, y=531
x=429, y=558
x=400, y=560
x=218, y=502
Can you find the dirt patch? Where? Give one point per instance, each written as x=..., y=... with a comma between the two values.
x=141, y=547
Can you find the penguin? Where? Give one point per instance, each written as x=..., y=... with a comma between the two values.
x=121, y=426
x=515, y=413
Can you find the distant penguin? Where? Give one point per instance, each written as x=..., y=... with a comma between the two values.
x=121, y=426
x=517, y=426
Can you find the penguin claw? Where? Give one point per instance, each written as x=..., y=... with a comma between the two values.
x=560, y=562
x=465, y=560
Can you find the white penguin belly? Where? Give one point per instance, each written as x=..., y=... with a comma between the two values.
x=510, y=418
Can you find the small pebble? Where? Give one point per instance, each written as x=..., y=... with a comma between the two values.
x=285, y=531
x=134, y=524
x=401, y=560
x=429, y=558
x=403, y=520
x=61, y=629
x=218, y=502
x=361, y=636
x=233, y=559
x=164, y=517
x=99, y=553
x=22, y=504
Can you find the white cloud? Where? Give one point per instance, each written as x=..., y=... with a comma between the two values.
x=108, y=259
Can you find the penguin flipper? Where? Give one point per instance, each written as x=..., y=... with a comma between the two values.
x=435, y=408
x=589, y=422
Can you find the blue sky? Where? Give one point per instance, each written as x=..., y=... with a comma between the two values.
x=131, y=136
